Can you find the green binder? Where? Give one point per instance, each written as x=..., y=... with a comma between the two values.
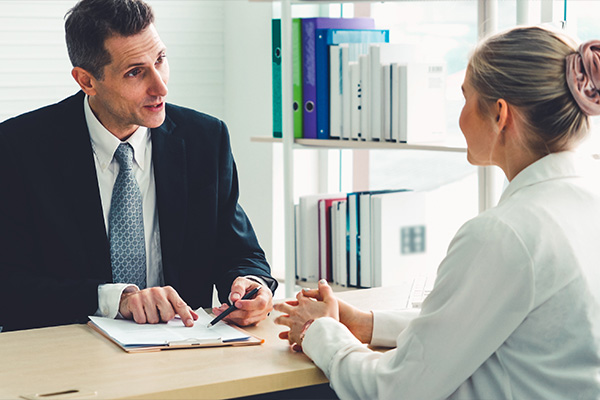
x=296, y=77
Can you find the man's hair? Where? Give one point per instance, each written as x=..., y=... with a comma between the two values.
x=91, y=22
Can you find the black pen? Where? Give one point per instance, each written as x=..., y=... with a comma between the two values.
x=232, y=307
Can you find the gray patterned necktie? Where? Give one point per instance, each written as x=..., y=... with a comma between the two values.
x=126, y=224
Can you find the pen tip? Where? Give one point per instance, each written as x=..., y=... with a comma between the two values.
x=209, y=325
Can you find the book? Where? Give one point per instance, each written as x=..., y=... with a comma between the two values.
x=346, y=93
x=309, y=63
x=355, y=99
x=421, y=94
x=365, y=100
x=396, y=84
x=333, y=231
x=332, y=37
x=297, y=239
x=296, y=77
x=364, y=238
x=134, y=337
x=381, y=54
x=352, y=233
x=309, y=235
x=335, y=92
x=386, y=124
x=339, y=243
x=398, y=236
x=325, y=238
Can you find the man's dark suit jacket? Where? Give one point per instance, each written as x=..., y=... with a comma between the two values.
x=54, y=251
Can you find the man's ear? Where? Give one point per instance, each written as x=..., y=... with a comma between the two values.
x=85, y=80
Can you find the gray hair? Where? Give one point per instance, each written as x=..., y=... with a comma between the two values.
x=526, y=67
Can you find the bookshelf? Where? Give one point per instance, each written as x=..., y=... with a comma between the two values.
x=486, y=23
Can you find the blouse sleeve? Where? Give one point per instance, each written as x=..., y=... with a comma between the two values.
x=483, y=291
x=387, y=325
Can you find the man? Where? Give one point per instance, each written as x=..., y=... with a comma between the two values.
x=115, y=203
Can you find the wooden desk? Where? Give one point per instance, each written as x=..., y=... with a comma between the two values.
x=76, y=357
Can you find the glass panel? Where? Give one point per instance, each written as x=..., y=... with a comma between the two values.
x=444, y=30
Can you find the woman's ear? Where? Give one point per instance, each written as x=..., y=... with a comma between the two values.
x=502, y=115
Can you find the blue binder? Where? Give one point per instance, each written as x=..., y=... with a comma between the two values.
x=328, y=37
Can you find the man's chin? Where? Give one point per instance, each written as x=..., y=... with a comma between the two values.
x=155, y=120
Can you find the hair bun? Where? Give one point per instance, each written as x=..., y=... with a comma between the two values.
x=583, y=76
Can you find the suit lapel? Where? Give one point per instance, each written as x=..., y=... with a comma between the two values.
x=79, y=184
x=170, y=172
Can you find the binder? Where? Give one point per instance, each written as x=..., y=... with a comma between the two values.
x=329, y=37
x=296, y=77
x=309, y=67
x=276, y=76
x=138, y=338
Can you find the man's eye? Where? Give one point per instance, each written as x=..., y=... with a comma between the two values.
x=133, y=72
x=161, y=59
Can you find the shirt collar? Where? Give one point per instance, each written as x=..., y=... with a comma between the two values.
x=553, y=166
x=105, y=143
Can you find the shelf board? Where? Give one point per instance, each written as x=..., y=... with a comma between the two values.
x=370, y=145
x=329, y=1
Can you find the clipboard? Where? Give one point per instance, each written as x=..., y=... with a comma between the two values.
x=136, y=338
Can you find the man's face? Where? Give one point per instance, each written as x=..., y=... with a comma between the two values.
x=134, y=87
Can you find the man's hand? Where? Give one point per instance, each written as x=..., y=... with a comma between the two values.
x=154, y=305
x=299, y=313
x=249, y=312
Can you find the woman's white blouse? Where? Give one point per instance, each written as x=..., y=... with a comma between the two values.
x=514, y=313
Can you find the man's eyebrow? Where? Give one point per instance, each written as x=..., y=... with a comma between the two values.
x=141, y=64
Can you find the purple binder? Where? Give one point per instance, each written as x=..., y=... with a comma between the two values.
x=309, y=70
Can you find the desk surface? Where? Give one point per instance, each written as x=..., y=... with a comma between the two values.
x=74, y=357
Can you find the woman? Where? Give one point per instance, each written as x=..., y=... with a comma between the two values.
x=515, y=310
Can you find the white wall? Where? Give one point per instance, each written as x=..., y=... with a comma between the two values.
x=248, y=109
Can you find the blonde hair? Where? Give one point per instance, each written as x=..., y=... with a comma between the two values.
x=526, y=67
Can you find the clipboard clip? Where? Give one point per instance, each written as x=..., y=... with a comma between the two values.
x=194, y=342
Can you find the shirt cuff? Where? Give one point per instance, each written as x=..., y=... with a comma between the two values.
x=387, y=325
x=109, y=298
x=323, y=339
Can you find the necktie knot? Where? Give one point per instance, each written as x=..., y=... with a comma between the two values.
x=124, y=156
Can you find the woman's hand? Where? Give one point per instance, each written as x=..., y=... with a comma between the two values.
x=309, y=305
x=359, y=322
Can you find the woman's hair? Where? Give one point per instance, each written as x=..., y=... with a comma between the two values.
x=91, y=22
x=526, y=67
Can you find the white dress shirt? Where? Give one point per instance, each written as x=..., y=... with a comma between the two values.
x=104, y=145
x=514, y=313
